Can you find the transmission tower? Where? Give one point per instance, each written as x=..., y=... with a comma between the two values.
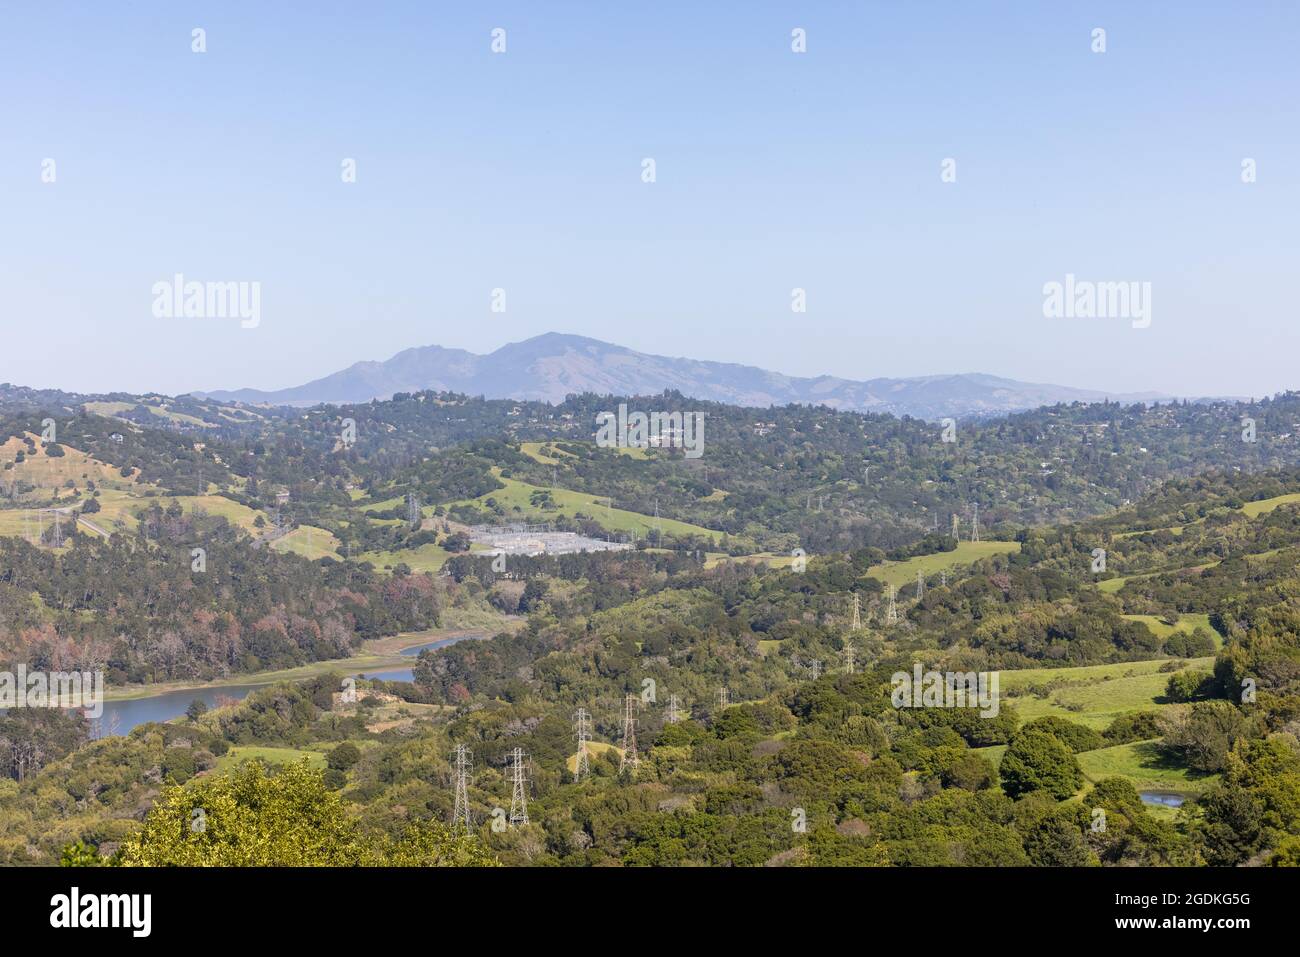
x=943, y=577
x=975, y=522
x=956, y=535
x=891, y=616
x=815, y=666
x=659, y=527
x=413, y=516
x=582, y=767
x=724, y=697
x=630, y=758
x=673, y=717
x=464, y=766
x=56, y=527
x=850, y=659
x=920, y=585
x=857, y=612
x=519, y=795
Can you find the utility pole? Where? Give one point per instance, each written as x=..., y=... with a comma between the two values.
x=891, y=616
x=519, y=794
x=460, y=816
x=582, y=767
x=630, y=758
x=673, y=717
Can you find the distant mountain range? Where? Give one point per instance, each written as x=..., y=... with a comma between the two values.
x=549, y=367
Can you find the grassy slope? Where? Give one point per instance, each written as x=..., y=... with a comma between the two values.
x=1186, y=623
x=1142, y=763
x=900, y=574
x=309, y=541
x=516, y=495
x=1094, y=695
x=594, y=750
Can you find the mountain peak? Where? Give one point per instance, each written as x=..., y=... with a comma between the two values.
x=552, y=365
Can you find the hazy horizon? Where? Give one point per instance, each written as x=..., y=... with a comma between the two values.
x=958, y=372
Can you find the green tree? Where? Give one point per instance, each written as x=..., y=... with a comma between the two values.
x=251, y=818
x=80, y=854
x=1203, y=738
x=1187, y=685
x=344, y=756
x=1038, y=761
x=1057, y=841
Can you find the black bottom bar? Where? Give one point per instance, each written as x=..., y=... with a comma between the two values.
x=331, y=906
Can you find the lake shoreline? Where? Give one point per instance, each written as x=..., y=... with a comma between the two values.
x=390, y=656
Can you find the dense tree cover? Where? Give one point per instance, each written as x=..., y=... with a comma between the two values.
x=30, y=738
x=793, y=477
x=783, y=754
x=250, y=818
x=136, y=608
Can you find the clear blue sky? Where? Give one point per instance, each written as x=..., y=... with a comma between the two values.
x=775, y=170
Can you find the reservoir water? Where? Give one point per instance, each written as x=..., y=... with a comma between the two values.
x=1165, y=798
x=122, y=716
